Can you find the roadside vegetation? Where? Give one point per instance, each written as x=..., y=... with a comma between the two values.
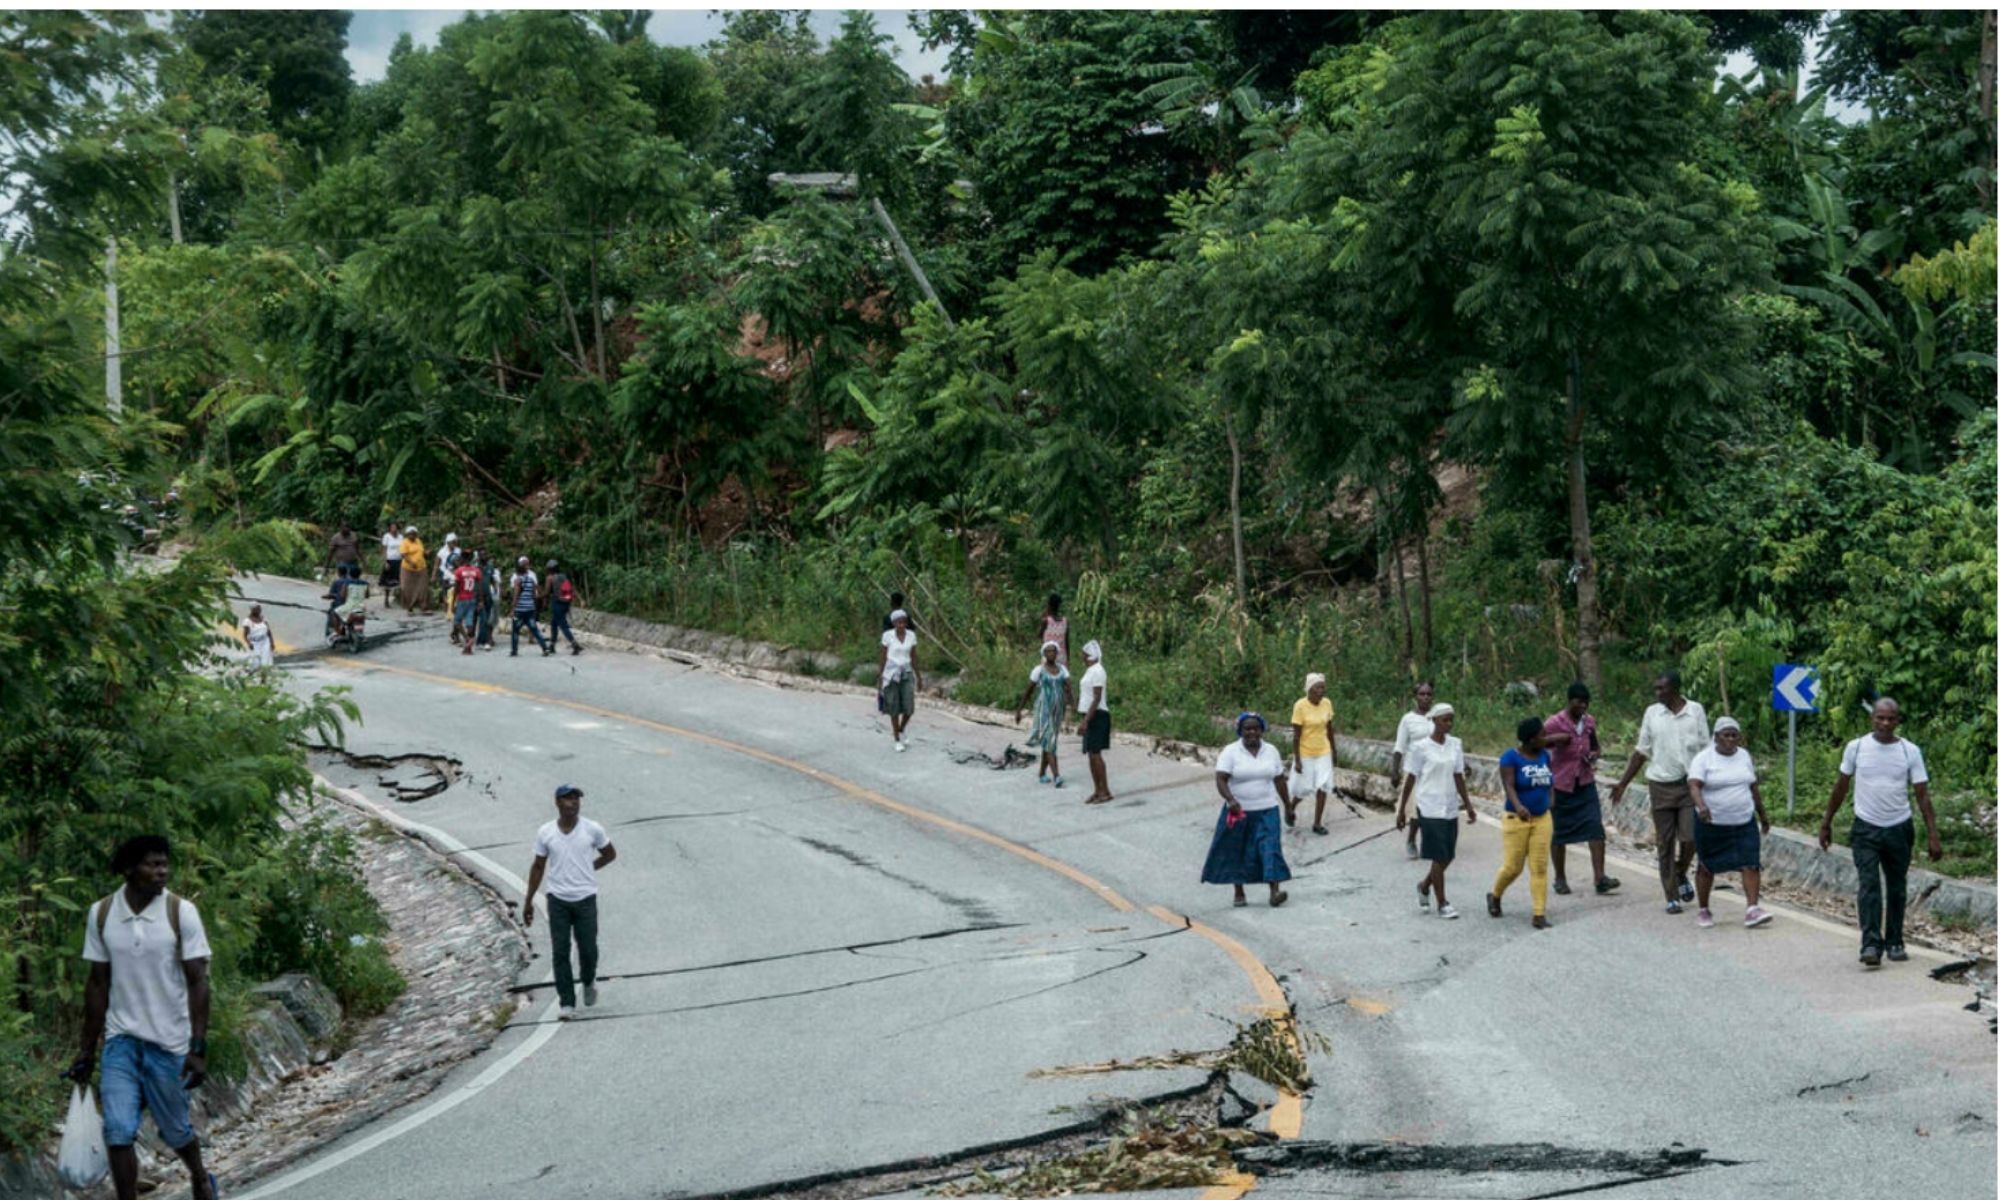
x=1500, y=348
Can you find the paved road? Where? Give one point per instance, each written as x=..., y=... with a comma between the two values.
x=825, y=956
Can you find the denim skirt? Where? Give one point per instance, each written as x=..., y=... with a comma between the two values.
x=1252, y=851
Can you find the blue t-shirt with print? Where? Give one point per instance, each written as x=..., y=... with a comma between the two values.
x=1532, y=779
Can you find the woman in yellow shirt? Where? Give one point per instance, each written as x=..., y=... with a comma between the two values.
x=415, y=586
x=1312, y=751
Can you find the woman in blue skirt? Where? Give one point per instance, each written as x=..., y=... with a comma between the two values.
x=1249, y=834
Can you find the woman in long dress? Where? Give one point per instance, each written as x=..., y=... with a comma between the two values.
x=1049, y=691
x=1248, y=846
x=257, y=636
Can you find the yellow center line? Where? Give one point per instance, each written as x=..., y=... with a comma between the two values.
x=1287, y=1115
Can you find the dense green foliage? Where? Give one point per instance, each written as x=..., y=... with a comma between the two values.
x=120, y=715
x=1501, y=347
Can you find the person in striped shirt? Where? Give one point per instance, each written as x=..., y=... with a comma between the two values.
x=525, y=584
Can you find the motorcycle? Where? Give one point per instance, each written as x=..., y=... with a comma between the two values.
x=349, y=633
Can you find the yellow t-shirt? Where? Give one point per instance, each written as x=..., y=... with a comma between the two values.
x=1313, y=721
x=413, y=555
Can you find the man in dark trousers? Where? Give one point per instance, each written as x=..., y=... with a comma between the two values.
x=343, y=549
x=147, y=999
x=1883, y=771
x=562, y=593
x=570, y=851
x=524, y=587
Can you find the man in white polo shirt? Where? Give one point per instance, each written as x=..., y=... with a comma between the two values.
x=1672, y=732
x=147, y=997
x=570, y=850
x=1882, y=770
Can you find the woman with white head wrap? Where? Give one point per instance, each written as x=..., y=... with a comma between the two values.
x=1729, y=816
x=900, y=675
x=1436, y=777
x=1312, y=751
x=1093, y=706
x=1049, y=690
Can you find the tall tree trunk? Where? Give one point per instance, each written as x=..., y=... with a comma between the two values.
x=174, y=205
x=1424, y=588
x=597, y=314
x=1587, y=632
x=1985, y=145
x=1236, y=507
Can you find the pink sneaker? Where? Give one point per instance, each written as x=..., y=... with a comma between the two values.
x=1704, y=918
x=1755, y=917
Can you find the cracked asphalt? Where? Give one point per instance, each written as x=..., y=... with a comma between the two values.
x=801, y=982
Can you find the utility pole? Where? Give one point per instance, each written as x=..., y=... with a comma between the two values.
x=114, y=374
x=909, y=259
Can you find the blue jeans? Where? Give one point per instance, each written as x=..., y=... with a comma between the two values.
x=559, y=622
x=525, y=616
x=135, y=1074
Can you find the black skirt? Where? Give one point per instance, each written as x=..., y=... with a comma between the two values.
x=1579, y=817
x=1437, y=838
x=1097, y=732
x=1723, y=848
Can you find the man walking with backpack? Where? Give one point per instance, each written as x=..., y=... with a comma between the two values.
x=147, y=998
x=562, y=593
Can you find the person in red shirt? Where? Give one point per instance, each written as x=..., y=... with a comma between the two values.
x=1571, y=737
x=464, y=601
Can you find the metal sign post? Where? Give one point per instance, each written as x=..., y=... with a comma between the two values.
x=1791, y=761
x=1794, y=689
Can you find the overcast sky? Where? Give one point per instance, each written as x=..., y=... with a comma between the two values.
x=373, y=34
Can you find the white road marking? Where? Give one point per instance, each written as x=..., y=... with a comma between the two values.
x=545, y=1027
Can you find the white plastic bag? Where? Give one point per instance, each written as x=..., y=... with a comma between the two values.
x=81, y=1162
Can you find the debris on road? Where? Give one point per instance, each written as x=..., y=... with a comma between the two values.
x=1147, y=1153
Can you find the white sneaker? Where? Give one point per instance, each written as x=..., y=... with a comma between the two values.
x=1410, y=850
x=1755, y=917
x=900, y=747
x=1423, y=899
x=1448, y=913
x=590, y=995
x=565, y=1012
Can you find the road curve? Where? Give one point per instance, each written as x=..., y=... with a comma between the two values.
x=824, y=955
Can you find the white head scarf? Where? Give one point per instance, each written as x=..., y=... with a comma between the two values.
x=1722, y=723
x=1315, y=678
x=1093, y=652
x=1048, y=646
x=1439, y=710
x=898, y=615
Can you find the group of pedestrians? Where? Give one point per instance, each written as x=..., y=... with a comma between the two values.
x=1703, y=792
x=478, y=587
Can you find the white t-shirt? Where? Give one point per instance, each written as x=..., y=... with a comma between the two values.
x=1883, y=774
x=1670, y=740
x=1414, y=727
x=392, y=547
x=1093, y=677
x=569, y=875
x=898, y=662
x=1434, y=766
x=1252, y=777
x=1725, y=784
x=149, y=998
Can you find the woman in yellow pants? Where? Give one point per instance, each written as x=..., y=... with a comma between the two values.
x=1526, y=828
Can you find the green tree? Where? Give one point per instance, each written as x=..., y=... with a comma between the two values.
x=1541, y=170
x=299, y=59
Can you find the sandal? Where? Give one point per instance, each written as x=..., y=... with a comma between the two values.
x=1561, y=887
x=1541, y=922
x=1320, y=829
x=1241, y=902
x=1278, y=901
x=1492, y=905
